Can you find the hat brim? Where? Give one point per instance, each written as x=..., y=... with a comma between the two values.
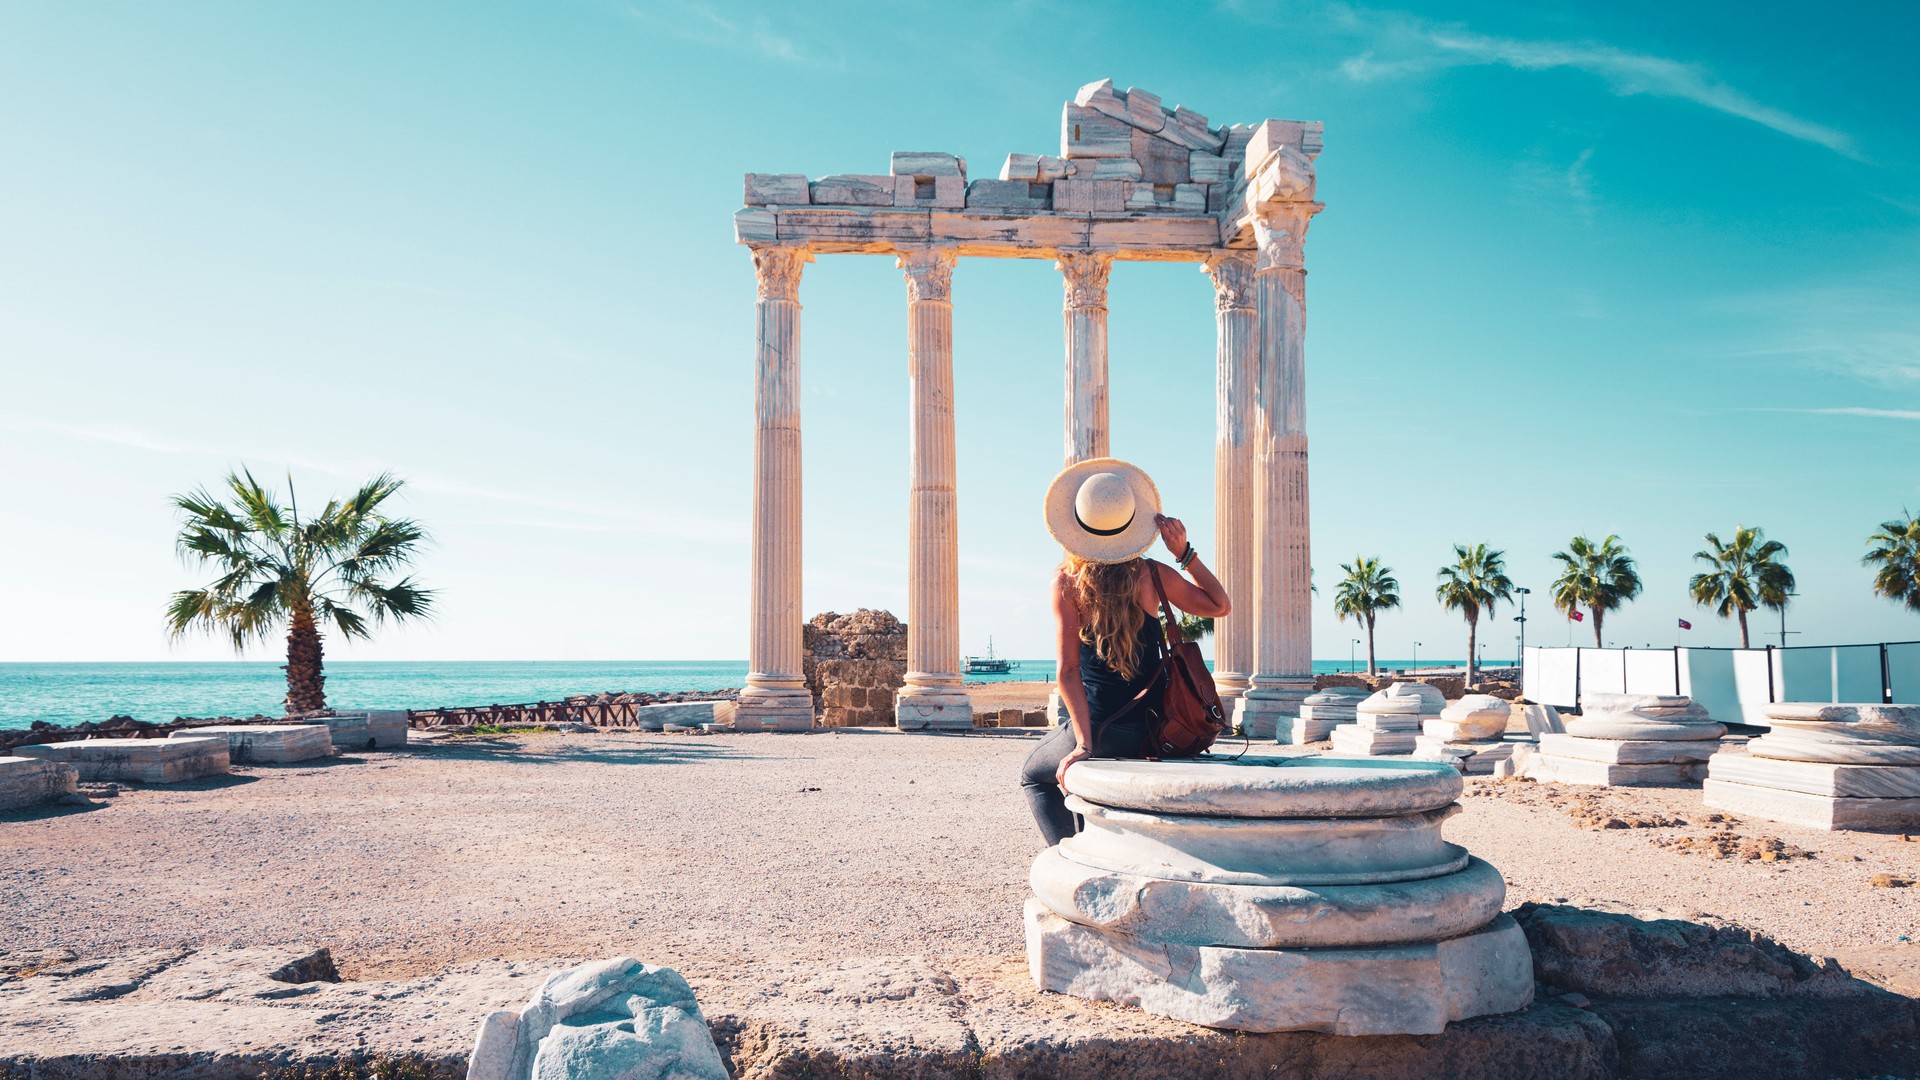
x=1129, y=543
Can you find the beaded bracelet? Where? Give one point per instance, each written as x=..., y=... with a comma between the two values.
x=1188, y=556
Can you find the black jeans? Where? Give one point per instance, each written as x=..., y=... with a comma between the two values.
x=1037, y=781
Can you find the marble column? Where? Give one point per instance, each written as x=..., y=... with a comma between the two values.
x=1283, y=578
x=776, y=696
x=1235, y=374
x=1086, y=317
x=932, y=696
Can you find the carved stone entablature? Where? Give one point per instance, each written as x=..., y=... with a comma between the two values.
x=776, y=267
x=929, y=274
x=1232, y=274
x=1280, y=234
x=1086, y=278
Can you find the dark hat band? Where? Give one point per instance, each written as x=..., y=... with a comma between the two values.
x=1124, y=526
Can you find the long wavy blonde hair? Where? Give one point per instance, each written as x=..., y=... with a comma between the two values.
x=1107, y=595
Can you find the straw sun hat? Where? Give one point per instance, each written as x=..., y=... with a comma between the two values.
x=1103, y=510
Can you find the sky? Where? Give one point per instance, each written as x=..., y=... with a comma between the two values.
x=1649, y=269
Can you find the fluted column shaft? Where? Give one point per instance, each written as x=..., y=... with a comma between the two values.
x=1086, y=324
x=1235, y=376
x=932, y=696
x=776, y=695
x=1282, y=558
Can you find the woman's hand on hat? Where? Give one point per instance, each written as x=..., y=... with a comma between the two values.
x=1079, y=753
x=1172, y=533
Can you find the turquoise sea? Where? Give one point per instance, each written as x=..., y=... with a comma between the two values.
x=71, y=693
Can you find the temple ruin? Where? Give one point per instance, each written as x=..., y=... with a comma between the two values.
x=1134, y=180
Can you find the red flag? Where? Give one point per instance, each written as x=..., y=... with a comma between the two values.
x=1685, y=625
x=1576, y=616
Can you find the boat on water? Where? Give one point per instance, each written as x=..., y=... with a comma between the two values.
x=989, y=664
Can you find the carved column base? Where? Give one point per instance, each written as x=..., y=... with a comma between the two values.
x=773, y=703
x=1261, y=711
x=932, y=703
x=1231, y=686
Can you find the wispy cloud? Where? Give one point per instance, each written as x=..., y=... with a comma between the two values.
x=1571, y=186
x=703, y=24
x=1410, y=46
x=1854, y=410
x=1869, y=332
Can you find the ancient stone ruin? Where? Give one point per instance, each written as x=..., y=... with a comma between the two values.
x=1622, y=740
x=1827, y=767
x=854, y=665
x=1134, y=180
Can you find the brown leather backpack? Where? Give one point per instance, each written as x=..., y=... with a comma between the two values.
x=1190, y=716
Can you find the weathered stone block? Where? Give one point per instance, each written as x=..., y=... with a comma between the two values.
x=146, y=761
x=849, y=189
x=1161, y=161
x=1009, y=195
x=1106, y=169
x=268, y=743
x=1088, y=133
x=1021, y=167
x=1817, y=778
x=755, y=226
x=30, y=781
x=777, y=189
x=1036, y=718
x=1625, y=751
x=929, y=163
x=685, y=714
x=938, y=192
x=1355, y=739
x=1054, y=168
x=1189, y=130
x=600, y=1021
x=1267, y=137
x=1546, y=766
x=1144, y=110
x=1812, y=811
x=1189, y=199
x=377, y=729
x=1089, y=196
x=1207, y=168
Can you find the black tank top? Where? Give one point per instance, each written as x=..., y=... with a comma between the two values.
x=1108, y=693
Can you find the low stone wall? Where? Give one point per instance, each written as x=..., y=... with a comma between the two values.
x=855, y=664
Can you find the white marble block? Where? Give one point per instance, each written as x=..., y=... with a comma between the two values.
x=1088, y=133
x=30, y=781
x=1189, y=199
x=1626, y=751
x=146, y=761
x=1566, y=770
x=1542, y=720
x=1813, y=811
x=1101, y=97
x=267, y=744
x=928, y=163
x=936, y=192
x=1208, y=168
x=683, y=715
x=1054, y=168
x=1095, y=196
x=1354, y=739
x=754, y=225
x=848, y=189
x=777, y=189
x=1817, y=777
x=1144, y=110
x=1476, y=716
x=377, y=729
x=1161, y=161
x=1106, y=169
x=1472, y=758
x=1268, y=137
x=1021, y=167
x=1009, y=195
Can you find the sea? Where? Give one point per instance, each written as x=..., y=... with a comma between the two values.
x=157, y=692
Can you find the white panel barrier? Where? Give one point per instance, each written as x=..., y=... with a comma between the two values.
x=1856, y=673
x=1550, y=676
x=1804, y=674
x=1733, y=685
x=1651, y=671
x=1602, y=671
x=1706, y=676
x=1903, y=672
x=1753, y=679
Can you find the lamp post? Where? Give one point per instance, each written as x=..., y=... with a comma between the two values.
x=1416, y=655
x=1783, y=621
x=1522, y=620
x=1353, y=665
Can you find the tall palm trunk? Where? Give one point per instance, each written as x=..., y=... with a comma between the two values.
x=306, y=691
x=1597, y=643
x=1473, y=633
x=1372, y=671
x=1743, y=627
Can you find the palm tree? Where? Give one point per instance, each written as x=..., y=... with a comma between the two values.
x=1746, y=574
x=1895, y=555
x=1368, y=589
x=1472, y=585
x=279, y=569
x=1599, y=577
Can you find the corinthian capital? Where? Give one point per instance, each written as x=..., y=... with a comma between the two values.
x=1086, y=278
x=1280, y=234
x=1232, y=274
x=777, y=269
x=929, y=274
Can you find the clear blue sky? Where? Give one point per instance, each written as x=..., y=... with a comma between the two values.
x=1642, y=268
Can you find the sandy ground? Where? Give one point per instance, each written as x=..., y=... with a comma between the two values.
x=988, y=697
x=705, y=850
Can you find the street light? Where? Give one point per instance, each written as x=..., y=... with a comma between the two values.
x=1353, y=665
x=1522, y=620
x=1416, y=654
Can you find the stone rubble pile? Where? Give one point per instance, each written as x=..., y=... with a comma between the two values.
x=1274, y=894
x=1389, y=722
x=1119, y=153
x=1825, y=766
x=611, y=1020
x=1627, y=740
x=855, y=665
x=1320, y=713
x=1469, y=734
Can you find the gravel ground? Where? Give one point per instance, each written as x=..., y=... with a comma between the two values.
x=706, y=850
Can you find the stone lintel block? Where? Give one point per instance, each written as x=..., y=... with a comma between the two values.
x=1208, y=168
x=1142, y=197
x=1237, y=138
x=1009, y=194
x=1190, y=136
x=371, y=730
x=777, y=189
x=1414, y=989
x=933, y=714
x=928, y=163
x=1812, y=811
x=146, y=761
x=855, y=224
x=1021, y=167
x=1547, y=766
x=1106, y=169
x=30, y=781
x=1088, y=133
x=1353, y=739
x=1089, y=196
x=1144, y=110
x=268, y=743
x=1269, y=135
x=685, y=714
x=1161, y=161
x=1265, y=917
x=849, y=189
x=754, y=226
x=1625, y=751
x=1817, y=778
x=1189, y=199
x=938, y=192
